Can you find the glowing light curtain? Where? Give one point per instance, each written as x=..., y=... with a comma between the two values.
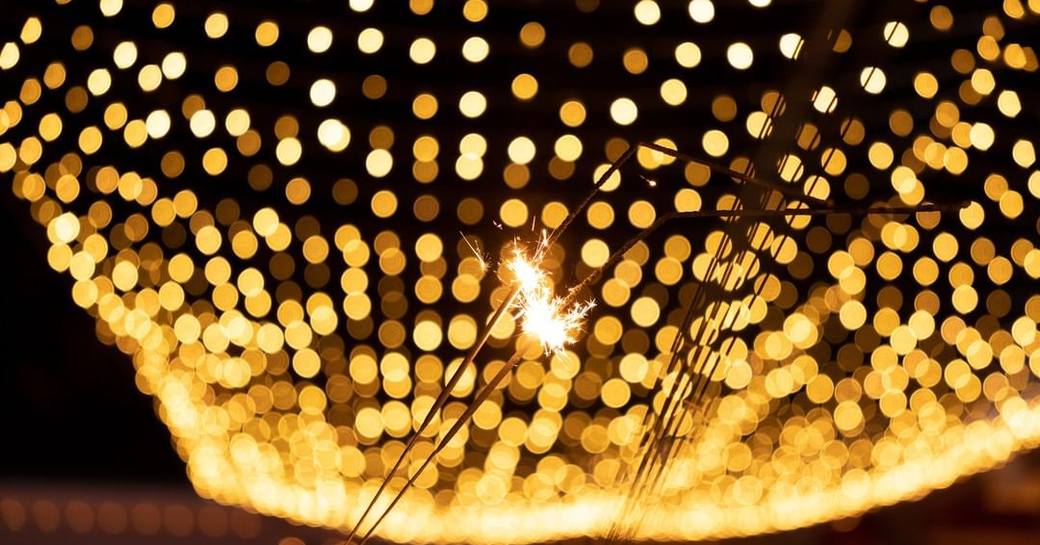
x=293, y=217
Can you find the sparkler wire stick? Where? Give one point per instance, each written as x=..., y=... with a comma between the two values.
x=701, y=387
x=545, y=320
x=742, y=176
x=481, y=396
x=442, y=399
x=650, y=423
x=703, y=380
x=833, y=14
x=619, y=254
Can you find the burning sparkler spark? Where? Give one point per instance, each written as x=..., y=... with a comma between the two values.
x=527, y=273
x=550, y=319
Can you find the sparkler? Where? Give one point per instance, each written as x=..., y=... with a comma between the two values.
x=530, y=280
x=550, y=319
x=545, y=318
x=553, y=321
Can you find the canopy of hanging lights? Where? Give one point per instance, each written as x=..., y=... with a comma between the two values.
x=520, y=271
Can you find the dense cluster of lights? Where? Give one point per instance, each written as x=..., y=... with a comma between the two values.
x=265, y=215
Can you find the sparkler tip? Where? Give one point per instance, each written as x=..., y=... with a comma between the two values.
x=552, y=320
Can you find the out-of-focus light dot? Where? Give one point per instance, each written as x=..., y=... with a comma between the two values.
x=288, y=151
x=790, y=45
x=702, y=11
x=645, y=311
x=214, y=161
x=673, y=92
x=66, y=227
x=226, y=78
x=740, y=56
x=306, y=363
x=150, y=77
x=896, y=33
x=158, y=123
x=266, y=33
x=370, y=40
x=1023, y=153
x=825, y=99
x=473, y=144
x=429, y=247
x=615, y=393
x=624, y=111
x=513, y=213
x=982, y=80
x=202, y=123
x=422, y=51
x=981, y=136
x=323, y=92
x=521, y=150
x=237, y=122
x=475, y=49
x=472, y=104
x=926, y=85
x=635, y=61
x=125, y=54
x=715, y=143
x=847, y=416
x=110, y=7
x=174, y=65
x=163, y=15
x=361, y=5
x=420, y=7
x=475, y=10
x=532, y=34
x=469, y=167
x=425, y=106
x=1009, y=103
x=31, y=31
x=525, y=86
x=333, y=134
x=379, y=162
x=688, y=54
x=872, y=79
x=9, y=56
x=612, y=182
x=647, y=12
x=568, y=147
x=580, y=54
x=595, y=252
x=216, y=25
x=427, y=335
x=572, y=113
x=633, y=367
x=319, y=39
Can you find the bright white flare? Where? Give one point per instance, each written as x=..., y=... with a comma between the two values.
x=544, y=315
x=554, y=326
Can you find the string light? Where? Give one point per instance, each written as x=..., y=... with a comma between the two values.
x=300, y=346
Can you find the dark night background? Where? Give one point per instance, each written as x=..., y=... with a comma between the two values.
x=69, y=405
